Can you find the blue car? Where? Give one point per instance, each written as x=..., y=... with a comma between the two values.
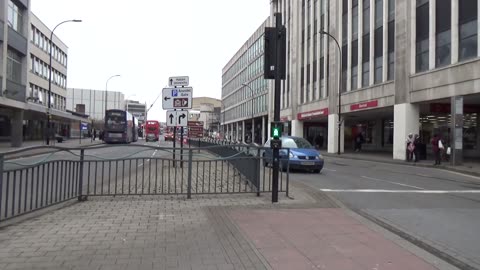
x=302, y=155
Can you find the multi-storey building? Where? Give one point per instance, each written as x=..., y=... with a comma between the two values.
x=24, y=74
x=137, y=109
x=245, y=92
x=93, y=102
x=405, y=66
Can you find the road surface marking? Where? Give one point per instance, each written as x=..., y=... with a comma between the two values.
x=475, y=191
x=330, y=170
x=395, y=183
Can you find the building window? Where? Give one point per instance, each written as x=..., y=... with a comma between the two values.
x=366, y=60
x=14, y=66
x=378, y=53
x=422, y=46
x=468, y=13
x=443, y=35
x=354, y=82
x=366, y=16
x=344, y=68
x=391, y=51
x=15, y=17
x=355, y=19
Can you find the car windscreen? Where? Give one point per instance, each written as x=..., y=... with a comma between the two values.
x=116, y=121
x=296, y=143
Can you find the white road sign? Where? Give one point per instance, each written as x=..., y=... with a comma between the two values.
x=177, y=118
x=179, y=81
x=177, y=98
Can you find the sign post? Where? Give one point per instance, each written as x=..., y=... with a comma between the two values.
x=177, y=101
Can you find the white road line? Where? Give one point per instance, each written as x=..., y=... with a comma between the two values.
x=395, y=183
x=401, y=191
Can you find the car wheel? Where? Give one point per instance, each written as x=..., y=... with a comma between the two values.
x=265, y=163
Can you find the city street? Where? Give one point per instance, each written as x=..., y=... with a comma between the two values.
x=437, y=207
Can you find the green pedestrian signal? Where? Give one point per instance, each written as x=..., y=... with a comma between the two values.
x=277, y=129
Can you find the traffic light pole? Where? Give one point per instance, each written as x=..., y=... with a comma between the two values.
x=276, y=106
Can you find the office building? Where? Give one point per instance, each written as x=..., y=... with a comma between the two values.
x=137, y=109
x=92, y=102
x=24, y=74
x=207, y=110
x=245, y=92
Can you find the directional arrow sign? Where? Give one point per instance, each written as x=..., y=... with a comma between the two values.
x=177, y=118
x=179, y=81
x=177, y=98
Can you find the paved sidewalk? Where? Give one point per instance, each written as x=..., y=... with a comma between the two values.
x=469, y=167
x=208, y=232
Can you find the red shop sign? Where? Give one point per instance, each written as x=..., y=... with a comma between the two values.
x=364, y=105
x=312, y=114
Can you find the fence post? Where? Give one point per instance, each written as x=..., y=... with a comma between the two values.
x=199, y=145
x=288, y=171
x=2, y=158
x=81, y=198
x=189, y=180
x=257, y=171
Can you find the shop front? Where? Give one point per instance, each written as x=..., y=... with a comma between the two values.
x=315, y=127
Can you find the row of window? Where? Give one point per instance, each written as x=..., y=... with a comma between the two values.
x=42, y=69
x=255, y=50
x=243, y=110
x=40, y=95
x=43, y=42
x=253, y=70
x=467, y=30
x=259, y=85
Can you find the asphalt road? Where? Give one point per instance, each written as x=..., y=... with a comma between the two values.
x=437, y=207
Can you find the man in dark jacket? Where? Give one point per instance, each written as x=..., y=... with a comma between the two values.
x=436, y=149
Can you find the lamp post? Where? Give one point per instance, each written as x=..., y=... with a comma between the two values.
x=106, y=91
x=339, y=89
x=50, y=77
x=253, y=121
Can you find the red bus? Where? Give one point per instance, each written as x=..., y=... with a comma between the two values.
x=152, y=131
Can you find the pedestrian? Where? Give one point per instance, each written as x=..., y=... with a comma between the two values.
x=94, y=134
x=448, y=152
x=416, y=144
x=437, y=147
x=359, y=139
x=410, y=146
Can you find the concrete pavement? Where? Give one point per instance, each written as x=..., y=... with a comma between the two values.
x=207, y=232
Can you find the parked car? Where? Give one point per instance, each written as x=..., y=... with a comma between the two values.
x=169, y=137
x=296, y=153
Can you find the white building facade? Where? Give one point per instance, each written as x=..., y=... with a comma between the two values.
x=93, y=101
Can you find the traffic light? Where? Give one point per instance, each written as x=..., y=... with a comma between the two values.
x=277, y=130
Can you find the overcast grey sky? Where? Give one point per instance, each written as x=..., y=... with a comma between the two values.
x=146, y=41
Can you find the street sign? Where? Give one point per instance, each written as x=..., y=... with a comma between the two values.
x=178, y=81
x=84, y=126
x=195, y=129
x=177, y=98
x=177, y=118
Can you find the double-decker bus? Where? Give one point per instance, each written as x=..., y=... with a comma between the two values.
x=119, y=127
x=152, y=131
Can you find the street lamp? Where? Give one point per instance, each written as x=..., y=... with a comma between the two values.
x=50, y=77
x=339, y=89
x=253, y=121
x=106, y=90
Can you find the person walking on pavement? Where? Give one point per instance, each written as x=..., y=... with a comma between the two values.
x=94, y=134
x=437, y=147
x=410, y=146
x=358, y=142
x=416, y=144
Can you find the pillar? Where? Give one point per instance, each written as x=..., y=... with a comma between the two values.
x=17, y=128
x=264, y=140
x=455, y=33
x=253, y=130
x=406, y=120
x=333, y=129
x=297, y=128
x=237, y=135
x=456, y=133
x=243, y=131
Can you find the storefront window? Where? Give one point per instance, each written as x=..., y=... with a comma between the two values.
x=387, y=132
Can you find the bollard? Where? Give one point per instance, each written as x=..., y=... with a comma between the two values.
x=189, y=180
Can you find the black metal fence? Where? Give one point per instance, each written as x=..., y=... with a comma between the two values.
x=40, y=181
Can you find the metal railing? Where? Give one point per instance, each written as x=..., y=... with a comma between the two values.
x=32, y=183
